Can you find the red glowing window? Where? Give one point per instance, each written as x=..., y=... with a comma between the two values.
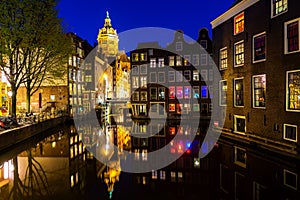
x=239, y=23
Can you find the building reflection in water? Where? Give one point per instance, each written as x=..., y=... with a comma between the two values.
x=55, y=166
x=59, y=166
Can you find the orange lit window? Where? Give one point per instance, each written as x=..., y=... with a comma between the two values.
x=172, y=107
x=239, y=23
x=172, y=130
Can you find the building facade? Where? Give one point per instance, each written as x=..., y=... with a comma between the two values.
x=256, y=47
x=172, y=81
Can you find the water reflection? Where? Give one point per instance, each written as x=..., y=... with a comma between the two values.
x=59, y=166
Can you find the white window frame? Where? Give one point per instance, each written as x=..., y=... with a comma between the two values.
x=235, y=157
x=143, y=69
x=234, y=91
x=174, y=75
x=155, y=77
x=195, y=59
x=285, y=36
x=178, y=46
x=235, y=125
x=253, y=91
x=234, y=23
x=220, y=92
x=284, y=179
x=287, y=91
x=161, y=81
x=253, y=50
x=152, y=62
x=234, y=57
x=284, y=132
x=274, y=7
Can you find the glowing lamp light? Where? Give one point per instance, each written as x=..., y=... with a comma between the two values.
x=188, y=151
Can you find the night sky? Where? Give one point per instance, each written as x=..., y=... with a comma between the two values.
x=85, y=17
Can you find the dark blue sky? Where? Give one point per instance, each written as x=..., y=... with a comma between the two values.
x=85, y=17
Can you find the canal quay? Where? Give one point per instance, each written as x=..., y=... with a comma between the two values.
x=57, y=159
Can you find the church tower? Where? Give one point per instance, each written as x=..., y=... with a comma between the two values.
x=108, y=39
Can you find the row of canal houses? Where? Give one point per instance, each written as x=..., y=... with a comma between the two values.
x=255, y=47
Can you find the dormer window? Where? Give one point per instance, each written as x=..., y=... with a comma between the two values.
x=239, y=23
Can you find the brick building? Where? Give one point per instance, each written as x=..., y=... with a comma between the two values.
x=256, y=46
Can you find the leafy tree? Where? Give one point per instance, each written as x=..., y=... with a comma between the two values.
x=34, y=46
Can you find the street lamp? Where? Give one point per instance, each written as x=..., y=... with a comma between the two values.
x=9, y=93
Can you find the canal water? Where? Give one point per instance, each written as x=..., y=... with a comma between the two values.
x=61, y=164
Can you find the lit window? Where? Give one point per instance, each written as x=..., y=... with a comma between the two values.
x=239, y=23
x=154, y=174
x=178, y=108
x=135, y=96
x=187, y=92
x=187, y=59
x=52, y=97
x=196, y=91
x=162, y=175
x=135, y=57
x=259, y=91
x=290, y=179
x=153, y=95
x=223, y=92
x=172, y=108
x=279, y=7
x=178, y=61
x=161, y=62
x=161, y=93
x=135, y=82
x=292, y=36
x=196, y=75
x=290, y=132
x=238, y=92
x=173, y=176
x=88, y=78
x=171, y=61
x=143, y=56
x=143, y=96
x=223, y=58
x=293, y=91
x=239, y=54
x=171, y=76
x=240, y=156
x=152, y=62
x=171, y=92
x=179, y=93
x=259, y=47
x=143, y=81
x=239, y=124
x=204, y=92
